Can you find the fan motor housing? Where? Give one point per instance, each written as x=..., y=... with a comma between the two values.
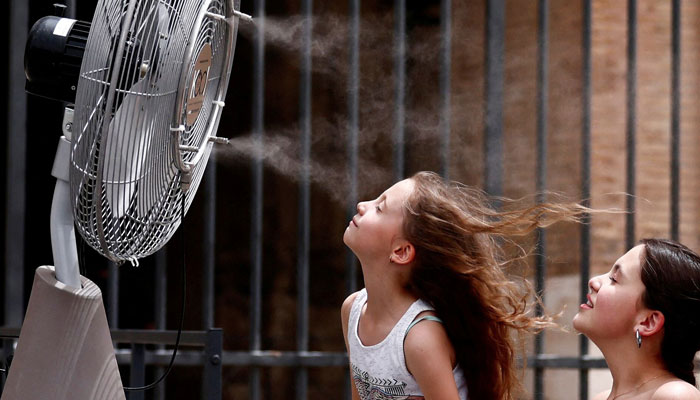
x=53, y=55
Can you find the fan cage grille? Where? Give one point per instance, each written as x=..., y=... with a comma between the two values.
x=125, y=181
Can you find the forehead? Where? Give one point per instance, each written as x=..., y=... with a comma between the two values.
x=399, y=191
x=630, y=262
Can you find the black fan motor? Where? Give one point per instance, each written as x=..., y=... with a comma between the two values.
x=53, y=55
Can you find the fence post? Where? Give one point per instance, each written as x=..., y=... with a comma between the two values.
x=212, y=364
x=137, y=372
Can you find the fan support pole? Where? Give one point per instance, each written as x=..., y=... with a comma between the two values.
x=65, y=253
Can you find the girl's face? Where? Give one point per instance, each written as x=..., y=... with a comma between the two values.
x=378, y=223
x=614, y=300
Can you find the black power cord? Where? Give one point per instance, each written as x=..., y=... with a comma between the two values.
x=182, y=310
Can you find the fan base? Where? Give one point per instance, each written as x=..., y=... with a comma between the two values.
x=65, y=350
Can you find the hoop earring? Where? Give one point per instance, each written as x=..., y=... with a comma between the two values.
x=639, y=339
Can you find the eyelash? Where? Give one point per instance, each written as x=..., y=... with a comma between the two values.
x=378, y=208
x=613, y=279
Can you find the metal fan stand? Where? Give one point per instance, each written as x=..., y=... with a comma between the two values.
x=128, y=176
x=65, y=350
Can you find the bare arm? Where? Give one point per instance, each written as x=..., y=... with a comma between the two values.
x=430, y=358
x=345, y=317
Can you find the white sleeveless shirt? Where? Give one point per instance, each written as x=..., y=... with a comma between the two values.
x=379, y=371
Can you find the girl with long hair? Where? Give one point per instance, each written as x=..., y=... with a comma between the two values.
x=438, y=315
x=644, y=315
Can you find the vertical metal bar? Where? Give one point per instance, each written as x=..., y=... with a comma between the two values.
x=304, y=201
x=353, y=132
x=493, y=130
x=631, y=118
x=16, y=166
x=353, y=139
x=209, y=244
x=256, y=228
x=213, y=350
x=585, y=181
x=113, y=294
x=542, y=107
x=400, y=88
x=445, y=75
x=137, y=373
x=675, y=116
x=161, y=301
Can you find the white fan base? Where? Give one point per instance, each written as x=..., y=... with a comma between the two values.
x=65, y=351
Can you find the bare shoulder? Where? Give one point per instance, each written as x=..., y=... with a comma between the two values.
x=347, y=304
x=430, y=359
x=345, y=309
x=676, y=390
x=602, y=395
x=428, y=339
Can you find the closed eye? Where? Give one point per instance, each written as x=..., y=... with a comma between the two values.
x=612, y=279
x=379, y=209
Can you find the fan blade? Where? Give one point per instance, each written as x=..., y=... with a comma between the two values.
x=126, y=148
x=128, y=151
x=158, y=168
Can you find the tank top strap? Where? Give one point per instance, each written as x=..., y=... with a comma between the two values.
x=424, y=318
x=409, y=316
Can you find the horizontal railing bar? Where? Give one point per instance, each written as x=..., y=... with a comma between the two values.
x=285, y=359
x=241, y=358
x=139, y=336
x=5, y=331
x=161, y=358
x=554, y=361
x=272, y=358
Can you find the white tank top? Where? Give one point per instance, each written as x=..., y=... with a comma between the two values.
x=379, y=371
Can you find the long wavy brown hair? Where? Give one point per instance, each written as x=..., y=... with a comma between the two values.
x=671, y=276
x=459, y=269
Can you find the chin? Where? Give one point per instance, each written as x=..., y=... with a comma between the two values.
x=347, y=240
x=578, y=324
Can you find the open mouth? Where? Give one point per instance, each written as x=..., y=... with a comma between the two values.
x=589, y=303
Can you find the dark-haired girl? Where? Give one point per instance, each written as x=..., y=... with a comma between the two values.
x=438, y=317
x=644, y=315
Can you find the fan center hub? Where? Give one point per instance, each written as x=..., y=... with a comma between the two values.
x=198, y=84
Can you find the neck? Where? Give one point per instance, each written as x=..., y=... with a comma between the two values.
x=386, y=292
x=631, y=367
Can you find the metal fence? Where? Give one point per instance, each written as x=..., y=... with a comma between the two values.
x=17, y=215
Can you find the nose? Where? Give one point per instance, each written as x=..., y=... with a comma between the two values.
x=361, y=207
x=594, y=283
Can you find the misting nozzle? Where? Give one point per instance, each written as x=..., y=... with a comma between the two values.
x=218, y=140
x=243, y=16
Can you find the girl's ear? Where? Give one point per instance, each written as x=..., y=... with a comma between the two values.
x=403, y=253
x=651, y=324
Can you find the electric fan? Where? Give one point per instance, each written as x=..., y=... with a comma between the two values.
x=148, y=79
